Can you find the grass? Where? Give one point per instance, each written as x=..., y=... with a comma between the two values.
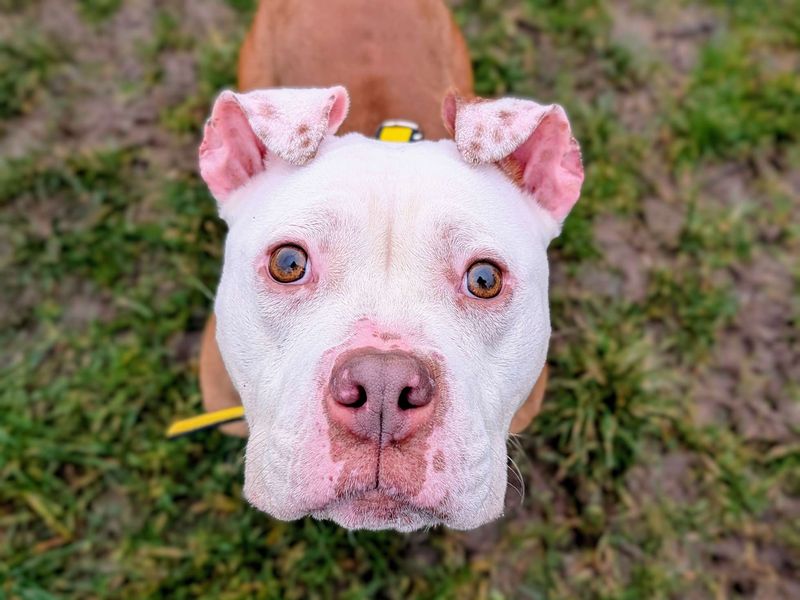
x=25, y=64
x=97, y=11
x=735, y=105
x=607, y=399
x=644, y=478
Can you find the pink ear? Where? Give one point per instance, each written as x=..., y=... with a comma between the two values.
x=245, y=129
x=533, y=141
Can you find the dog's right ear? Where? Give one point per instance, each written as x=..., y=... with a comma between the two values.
x=533, y=143
x=246, y=131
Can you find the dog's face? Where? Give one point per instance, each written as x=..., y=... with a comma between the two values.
x=383, y=307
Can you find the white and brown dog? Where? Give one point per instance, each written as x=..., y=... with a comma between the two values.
x=383, y=308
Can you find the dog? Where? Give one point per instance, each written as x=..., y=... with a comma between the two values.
x=382, y=312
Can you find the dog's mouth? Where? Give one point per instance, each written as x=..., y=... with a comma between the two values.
x=378, y=509
x=378, y=504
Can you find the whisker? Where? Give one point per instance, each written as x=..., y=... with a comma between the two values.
x=516, y=470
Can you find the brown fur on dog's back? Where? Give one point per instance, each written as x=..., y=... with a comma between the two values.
x=215, y=383
x=397, y=59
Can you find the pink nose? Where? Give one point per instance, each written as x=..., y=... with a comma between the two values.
x=381, y=396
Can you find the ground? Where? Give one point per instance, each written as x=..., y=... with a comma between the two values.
x=666, y=462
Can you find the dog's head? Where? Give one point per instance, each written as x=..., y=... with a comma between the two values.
x=383, y=307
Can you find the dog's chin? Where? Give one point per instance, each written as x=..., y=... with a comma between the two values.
x=375, y=510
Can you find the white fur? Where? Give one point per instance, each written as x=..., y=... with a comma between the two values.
x=272, y=347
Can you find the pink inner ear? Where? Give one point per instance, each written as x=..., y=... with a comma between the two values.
x=551, y=158
x=230, y=153
x=339, y=108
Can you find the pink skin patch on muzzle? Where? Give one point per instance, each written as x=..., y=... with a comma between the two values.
x=385, y=404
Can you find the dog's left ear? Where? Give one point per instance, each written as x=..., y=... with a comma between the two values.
x=531, y=142
x=245, y=131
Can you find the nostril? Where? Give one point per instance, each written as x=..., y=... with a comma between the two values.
x=404, y=401
x=414, y=396
x=361, y=400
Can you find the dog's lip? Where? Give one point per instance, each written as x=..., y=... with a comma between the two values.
x=377, y=503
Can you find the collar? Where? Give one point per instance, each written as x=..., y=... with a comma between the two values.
x=398, y=131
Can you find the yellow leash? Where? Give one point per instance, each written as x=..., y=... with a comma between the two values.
x=205, y=421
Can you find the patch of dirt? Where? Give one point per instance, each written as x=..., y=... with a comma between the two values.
x=755, y=358
x=665, y=220
x=108, y=58
x=746, y=573
x=670, y=477
x=629, y=250
x=725, y=185
x=669, y=32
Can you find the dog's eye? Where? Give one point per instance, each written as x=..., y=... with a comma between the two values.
x=288, y=264
x=484, y=280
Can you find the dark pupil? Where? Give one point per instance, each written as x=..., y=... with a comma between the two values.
x=289, y=260
x=484, y=277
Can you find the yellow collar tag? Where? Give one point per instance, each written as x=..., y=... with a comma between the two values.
x=399, y=131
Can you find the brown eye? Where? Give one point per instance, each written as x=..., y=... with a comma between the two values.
x=288, y=264
x=484, y=280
